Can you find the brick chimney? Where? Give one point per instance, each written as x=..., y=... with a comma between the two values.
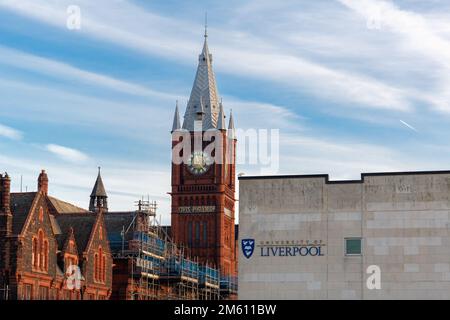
x=5, y=211
x=43, y=182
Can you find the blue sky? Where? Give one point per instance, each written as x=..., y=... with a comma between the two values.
x=353, y=86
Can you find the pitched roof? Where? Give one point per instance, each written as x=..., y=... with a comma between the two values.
x=82, y=225
x=55, y=226
x=99, y=188
x=20, y=205
x=63, y=207
x=115, y=223
x=204, y=94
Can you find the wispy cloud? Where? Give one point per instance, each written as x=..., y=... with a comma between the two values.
x=233, y=55
x=416, y=34
x=62, y=70
x=66, y=153
x=10, y=133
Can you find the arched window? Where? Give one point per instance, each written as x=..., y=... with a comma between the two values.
x=71, y=245
x=41, y=214
x=34, y=253
x=96, y=267
x=41, y=249
x=46, y=255
x=104, y=268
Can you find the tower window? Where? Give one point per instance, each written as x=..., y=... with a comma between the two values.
x=205, y=233
x=190, y=233
x=197, y=233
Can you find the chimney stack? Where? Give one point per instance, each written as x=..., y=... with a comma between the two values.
x=43, y=182
x=5, y=211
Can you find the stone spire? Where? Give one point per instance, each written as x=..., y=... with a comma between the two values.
x=99, y=198
x=231, y=129
x=204, y=93
x=221, y=119
x=176, y=119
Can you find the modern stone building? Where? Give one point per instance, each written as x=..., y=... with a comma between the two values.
x=306, y=237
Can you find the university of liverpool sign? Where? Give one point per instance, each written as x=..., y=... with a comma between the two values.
x=283, y=248
x=196, y=209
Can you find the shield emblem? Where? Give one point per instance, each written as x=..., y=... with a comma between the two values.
x=248, y=246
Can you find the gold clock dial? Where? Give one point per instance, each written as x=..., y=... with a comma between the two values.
x=199, y=163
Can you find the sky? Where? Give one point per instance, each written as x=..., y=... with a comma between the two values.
x=351, y=86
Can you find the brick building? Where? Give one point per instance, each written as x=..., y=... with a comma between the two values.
x=203, y=187
x=42, y=242
x=127, y=255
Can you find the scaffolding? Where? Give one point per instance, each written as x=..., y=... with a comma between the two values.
x=209, y=283
x=228, y=286
x=156, y=268
x=4, y=292
x=181, y=275
x=140, y=252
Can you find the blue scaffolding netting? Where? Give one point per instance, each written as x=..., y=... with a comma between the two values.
x=208, y=275
x=228, y=283
x=150, y=243
x=179, y=266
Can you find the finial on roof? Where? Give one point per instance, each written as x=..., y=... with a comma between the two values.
x=206, y=24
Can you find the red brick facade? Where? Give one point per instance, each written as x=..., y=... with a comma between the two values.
x=208, y=236
x=38, y=243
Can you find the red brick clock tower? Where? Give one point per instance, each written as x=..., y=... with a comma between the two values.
x=203, y=190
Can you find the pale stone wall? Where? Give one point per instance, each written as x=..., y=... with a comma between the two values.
x=403, y=220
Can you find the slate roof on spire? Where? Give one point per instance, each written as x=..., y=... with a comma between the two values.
x=99, y=188
x=204, y=88
x=221, y=119
x=176, y=119
x=231, y=131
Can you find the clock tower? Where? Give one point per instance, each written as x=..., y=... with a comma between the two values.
x=203, y=183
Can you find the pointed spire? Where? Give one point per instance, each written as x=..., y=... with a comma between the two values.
x=204, y=93
x=231, y=130
x=221, y=119
x=98, y=195
x=99, y=188
x=176, y=119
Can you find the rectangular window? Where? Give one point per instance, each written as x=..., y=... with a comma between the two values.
x=353, y=246
x=190, y=235
x=197, y=233
x=205, y=233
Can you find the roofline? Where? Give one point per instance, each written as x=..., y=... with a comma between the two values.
x=328, y=181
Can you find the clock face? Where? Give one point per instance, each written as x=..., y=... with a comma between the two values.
x=198, y=163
